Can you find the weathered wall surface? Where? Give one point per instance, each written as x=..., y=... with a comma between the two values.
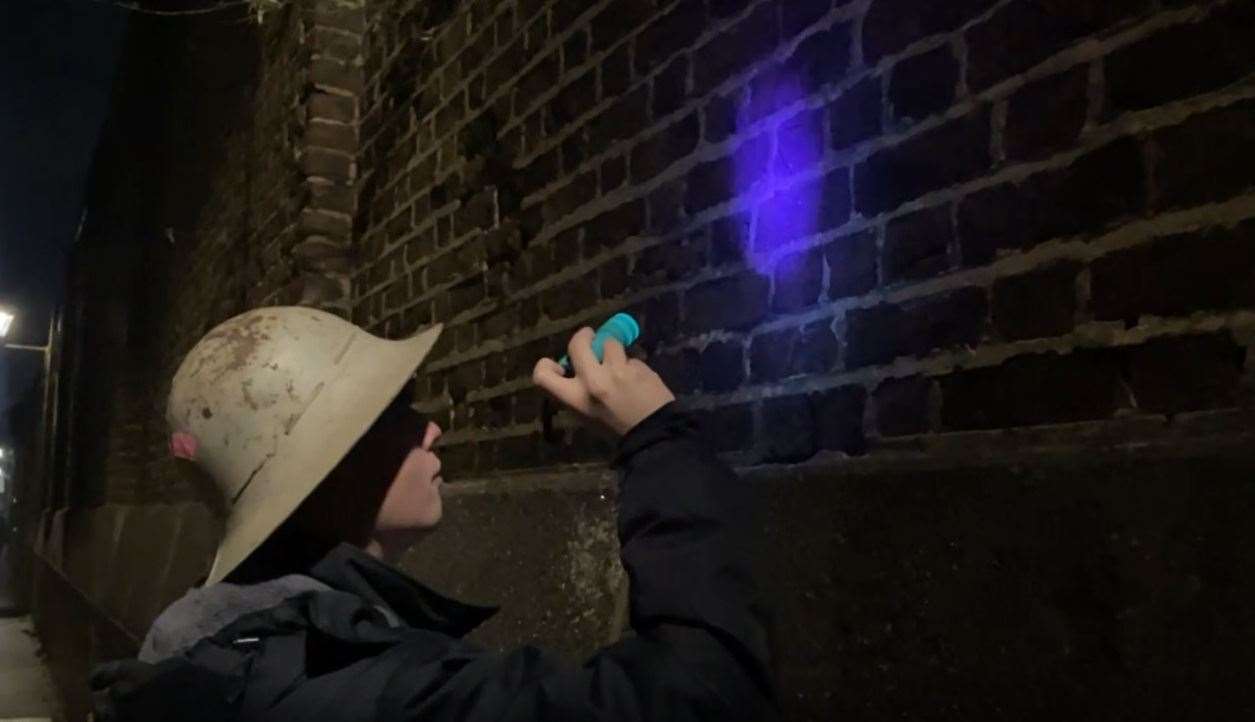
x=967, y=288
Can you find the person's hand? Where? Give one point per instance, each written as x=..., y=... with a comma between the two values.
x=618, y=392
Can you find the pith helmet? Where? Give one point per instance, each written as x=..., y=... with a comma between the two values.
x=270, y=401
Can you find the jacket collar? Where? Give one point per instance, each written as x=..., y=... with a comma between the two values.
x=350, y=569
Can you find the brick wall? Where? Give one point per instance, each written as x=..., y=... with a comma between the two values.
x=968, y=288
x=841, y=224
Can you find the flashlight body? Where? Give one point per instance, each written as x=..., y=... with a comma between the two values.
x=621, y=327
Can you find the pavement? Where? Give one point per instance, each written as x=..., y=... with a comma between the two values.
x=26, y=691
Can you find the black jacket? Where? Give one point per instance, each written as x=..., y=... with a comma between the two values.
x=700, y=652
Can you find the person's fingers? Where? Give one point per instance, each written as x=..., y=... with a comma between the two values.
x=613, y=353
x=586, y=365
x=549, y=375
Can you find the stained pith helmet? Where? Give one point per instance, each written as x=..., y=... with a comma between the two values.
x=268, y=402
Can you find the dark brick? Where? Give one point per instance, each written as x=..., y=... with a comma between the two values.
x=565, y=12
x=613, y=173
x=713, y=183
x=1183, y=61
x=1022, y=34
x=622, y=120
x=1193, y=168
x=1189, y=373
x=798, y=16
x=839, y=419
x=935, y=159
x=1046, y=116
x=666, y=208
x=538, y=81
x=479, y=212
x=1038, y=304
x=669, y=261
x=1029, y=390
x=788, y=433
x=465, y=295
x=335, y=108
x=616, y=21
x=855, y=116
x=798, y=277
x=543, y=169
x=771, y=355
x=891, y=25
x=727, y=428
x=499, y=324
x=575, y=99
x=803, y=210
x=739, y=47
x=1212, y=269
x=671, y=87
x=507, y=64
x=882, y=333
x=918, y=245
x=611, y=228
x=1099, y=188
x=819, y=60
x=570, y=197
x=529, y=312
x=661, y=315
x=735, y=303
x=665, y=148
x=721, y=118
x=723, y=366
x=924, y=84
x=575, y=50
x=569, y=298
x=851, y=265
x=811, y=350
x=669, y=34
x=680, y=370
x=800, y=143
x=333, y=136
x=902, y=406
x=613, y=277
x=729, y=239
x=817, y=350
x=616, y=72
x=327, y=164
x=574, y=152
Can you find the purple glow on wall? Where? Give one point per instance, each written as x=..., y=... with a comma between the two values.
x=786, y=208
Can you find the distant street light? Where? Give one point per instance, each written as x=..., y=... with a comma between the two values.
x=6, y=320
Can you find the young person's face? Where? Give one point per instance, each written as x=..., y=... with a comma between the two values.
x=412, y=502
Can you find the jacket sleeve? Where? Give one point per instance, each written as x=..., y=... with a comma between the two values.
x=685, y=525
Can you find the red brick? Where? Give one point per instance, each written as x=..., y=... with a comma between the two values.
x=747, y=42
x=671, y=87
x=721, y=118
x=729, y=239
x=1188, y=373
x=680, y=370
x=855, y=115
x=1020, y=35
x=882, y=333
x=851, y=265
x=917, y=245
x=903, y=406
x=616, y=21
x=788, y=431
x=718, y=181
x=812, y=349
x=1102, y=187
x=660, y=151
x=891, y=25
x=1038, y=304
x=669, y=34
x=924, y=84
x=1182, y=61
x=839, y=419
x=935, y=159
x=1208, y=270
x=727, y=428
x=1046, y=116
x=798, y=277
x=803, y=210
x=1031, y=390
x=723, y=366
x=669, y=261
x=734, y=303
x=1192, y=168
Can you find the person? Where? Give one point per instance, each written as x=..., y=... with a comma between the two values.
x=329, y=474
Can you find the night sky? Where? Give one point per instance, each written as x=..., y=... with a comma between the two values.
x=57, y=59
